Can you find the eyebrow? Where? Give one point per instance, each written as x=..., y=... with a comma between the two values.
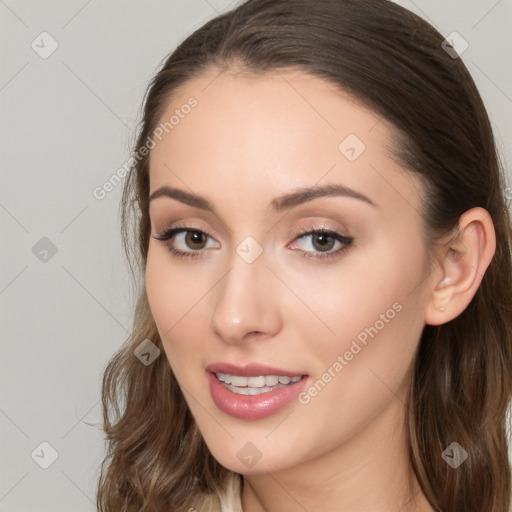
x=279, y=204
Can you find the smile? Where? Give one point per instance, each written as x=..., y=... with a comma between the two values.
x=255, y=397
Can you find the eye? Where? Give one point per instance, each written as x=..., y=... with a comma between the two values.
x=188, y=242
x=320, y=242
x=179, y=239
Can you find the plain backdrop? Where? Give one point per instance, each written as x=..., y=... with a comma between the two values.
x=67, y=120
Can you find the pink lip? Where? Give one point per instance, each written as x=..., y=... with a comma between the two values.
x=250, y=370
x=252, y=407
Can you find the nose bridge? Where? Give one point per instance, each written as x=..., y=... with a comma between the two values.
x=243, y=300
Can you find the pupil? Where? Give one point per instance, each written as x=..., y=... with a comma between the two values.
x=195, y=237
x=323, y=240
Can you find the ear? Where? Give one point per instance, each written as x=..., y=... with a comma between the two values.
x=462, y=262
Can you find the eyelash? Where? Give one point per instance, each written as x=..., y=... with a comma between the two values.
x=169, y=234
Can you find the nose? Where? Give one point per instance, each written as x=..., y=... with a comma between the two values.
x=246, y=303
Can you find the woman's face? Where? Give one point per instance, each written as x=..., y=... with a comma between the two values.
x=345, y=309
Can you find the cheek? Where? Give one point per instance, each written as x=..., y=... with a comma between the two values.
x=173, y=290
x=179, y=297
x=173, y=301
x=366, y=288
x=377, y=317
x=161, y=294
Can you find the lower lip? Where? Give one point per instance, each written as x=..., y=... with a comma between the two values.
x=253, y=407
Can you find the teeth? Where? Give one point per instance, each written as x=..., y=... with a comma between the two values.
x=257, y=382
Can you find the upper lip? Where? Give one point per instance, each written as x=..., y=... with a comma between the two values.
x=250, y=370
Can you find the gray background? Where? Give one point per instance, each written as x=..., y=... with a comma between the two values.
x=66, y=126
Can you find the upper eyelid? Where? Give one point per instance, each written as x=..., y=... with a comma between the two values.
x=299, y=209
x=298, y=232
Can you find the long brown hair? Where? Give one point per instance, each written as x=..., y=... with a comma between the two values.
x=393, y=62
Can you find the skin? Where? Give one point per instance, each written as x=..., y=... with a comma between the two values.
x=249, y=140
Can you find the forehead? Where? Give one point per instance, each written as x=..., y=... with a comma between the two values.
x=267, y=133
x=290, y=103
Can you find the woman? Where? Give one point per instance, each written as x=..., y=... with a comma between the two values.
x=325, y=318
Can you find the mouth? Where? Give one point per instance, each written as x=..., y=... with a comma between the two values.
x=253, y=391
x=256, y=385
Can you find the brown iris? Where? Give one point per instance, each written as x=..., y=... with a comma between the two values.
x=323, y=239
x=193, y=238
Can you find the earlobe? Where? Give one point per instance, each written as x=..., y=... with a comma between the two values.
x=462, y=263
